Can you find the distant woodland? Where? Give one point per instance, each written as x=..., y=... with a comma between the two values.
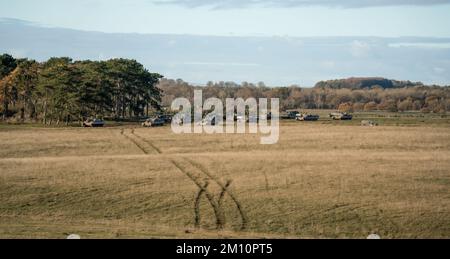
x=354, y=94
x=61, y=90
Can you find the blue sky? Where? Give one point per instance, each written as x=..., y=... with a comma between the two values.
x=301, y=18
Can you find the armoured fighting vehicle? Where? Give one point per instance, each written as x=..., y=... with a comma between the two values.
x=341, y=116
x=153, y=122
x=307, y=117
x=93, y=123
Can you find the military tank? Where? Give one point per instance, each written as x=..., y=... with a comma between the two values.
x=93, y=123
x=307, y=117
x=342, y=116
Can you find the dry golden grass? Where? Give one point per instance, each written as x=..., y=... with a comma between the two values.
x=320, y=181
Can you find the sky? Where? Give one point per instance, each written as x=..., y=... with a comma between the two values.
x=296, y=18
x=280, y=42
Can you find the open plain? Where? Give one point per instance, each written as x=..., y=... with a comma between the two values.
x=322, y=180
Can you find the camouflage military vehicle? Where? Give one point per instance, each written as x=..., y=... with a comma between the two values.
x=93, y=123
x=307, y=117
x=341, y=116
x=291, y=115
x=153, y=122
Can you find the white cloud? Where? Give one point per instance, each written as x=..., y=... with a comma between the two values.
x=439, y=70
x=422, y=45
x=360, y=49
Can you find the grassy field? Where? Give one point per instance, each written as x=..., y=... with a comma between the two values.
x=322, y=180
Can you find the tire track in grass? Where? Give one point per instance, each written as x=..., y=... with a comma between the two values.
x=225, y=189
x=220, y=218
x=203, y=186
x=123, y=133
x=148, y=143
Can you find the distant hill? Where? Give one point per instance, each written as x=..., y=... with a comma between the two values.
x=366, y=83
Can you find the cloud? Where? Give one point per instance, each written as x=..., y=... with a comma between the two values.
x=439, y=70
x=422, y=45
x=360, y=49
x=172, y=42
x=224, y=4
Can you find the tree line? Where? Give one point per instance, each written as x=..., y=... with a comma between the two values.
x=61, y=90
x=408, y=97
